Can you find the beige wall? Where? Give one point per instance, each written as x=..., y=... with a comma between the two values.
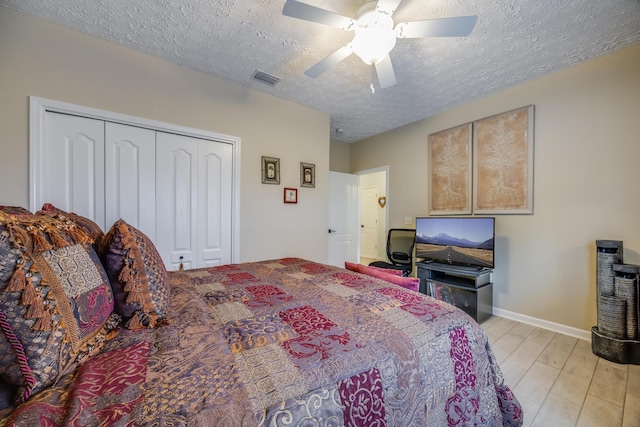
x=587, y=169
x=340, y=157
x=41, y=59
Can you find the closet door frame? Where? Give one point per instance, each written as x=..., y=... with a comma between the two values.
x=38, y=108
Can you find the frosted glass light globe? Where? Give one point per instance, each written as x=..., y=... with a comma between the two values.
x=374, y=37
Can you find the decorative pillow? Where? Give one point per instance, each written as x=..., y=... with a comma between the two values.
x=7, y=393
x=88, y=226
x=359, y=268
x=352, y=266
x=385, y=270
x=137, y=274
x=412, y=283
x=55, y=301
x=15, y=210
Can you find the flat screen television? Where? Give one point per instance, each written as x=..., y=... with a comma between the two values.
x=465, y=241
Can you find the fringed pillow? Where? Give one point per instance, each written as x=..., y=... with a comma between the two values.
x=88, y=226
x=15, y=210
x=55, y=301
x=137, y=274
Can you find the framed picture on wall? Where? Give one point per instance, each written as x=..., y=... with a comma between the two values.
x=450, y=167
x=503, y=163
x=291, y=195
x=307, y=175
x=270, y=170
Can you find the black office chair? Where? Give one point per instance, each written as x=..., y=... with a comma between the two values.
x=400, y=242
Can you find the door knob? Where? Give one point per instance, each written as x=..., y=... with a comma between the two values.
x=331, y=231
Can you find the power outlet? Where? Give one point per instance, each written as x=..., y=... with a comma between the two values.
x=407, y=220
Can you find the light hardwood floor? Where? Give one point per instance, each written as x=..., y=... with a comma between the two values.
x=559, y=381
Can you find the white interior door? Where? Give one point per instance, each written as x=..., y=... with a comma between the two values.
x=176, y=199
x=130, y=177
x=71, y=161
x=369, y=222
x=344, y=214
x=215, y=177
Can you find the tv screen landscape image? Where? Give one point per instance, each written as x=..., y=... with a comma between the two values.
x=465, y=242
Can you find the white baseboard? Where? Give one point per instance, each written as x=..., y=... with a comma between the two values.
x=545, y=324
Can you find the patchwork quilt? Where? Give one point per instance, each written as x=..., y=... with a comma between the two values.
x=286, y=342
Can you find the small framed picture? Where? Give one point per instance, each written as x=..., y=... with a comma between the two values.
x=291, y=195
x=307, y=175
x=270, y=170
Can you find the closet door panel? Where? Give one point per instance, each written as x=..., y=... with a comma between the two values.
x=73, y=166
x=214, y=203
x=130, y=176
x=178, y=190
x=176, y=199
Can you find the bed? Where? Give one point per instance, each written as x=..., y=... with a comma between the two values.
x=283, y=342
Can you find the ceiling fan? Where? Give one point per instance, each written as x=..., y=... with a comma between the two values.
x=375, y=34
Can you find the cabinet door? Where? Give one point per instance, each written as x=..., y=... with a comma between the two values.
x=130, y=177
x=71, y=175
x=176, y=199
x=215, y=180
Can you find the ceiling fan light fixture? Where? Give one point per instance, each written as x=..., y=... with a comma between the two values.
x=374, y=37
x=374, y=34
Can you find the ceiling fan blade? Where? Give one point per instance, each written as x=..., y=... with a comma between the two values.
x=328, y=62
x=387, y=6
x=311, y=13
x=384, y=70
x=460, y=26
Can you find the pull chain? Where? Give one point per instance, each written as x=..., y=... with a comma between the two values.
x=372, y=88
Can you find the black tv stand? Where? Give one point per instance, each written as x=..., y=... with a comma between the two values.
x=468, y=288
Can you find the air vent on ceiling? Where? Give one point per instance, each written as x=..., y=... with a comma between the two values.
x=263, y=77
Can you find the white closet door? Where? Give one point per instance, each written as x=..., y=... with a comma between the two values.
x=130, y=177
x=215, y=177
x=178, y=190
x=176, y=199
x=72, y=163
x=194, y=182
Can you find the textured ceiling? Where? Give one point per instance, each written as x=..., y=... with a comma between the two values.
x=513, y=41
